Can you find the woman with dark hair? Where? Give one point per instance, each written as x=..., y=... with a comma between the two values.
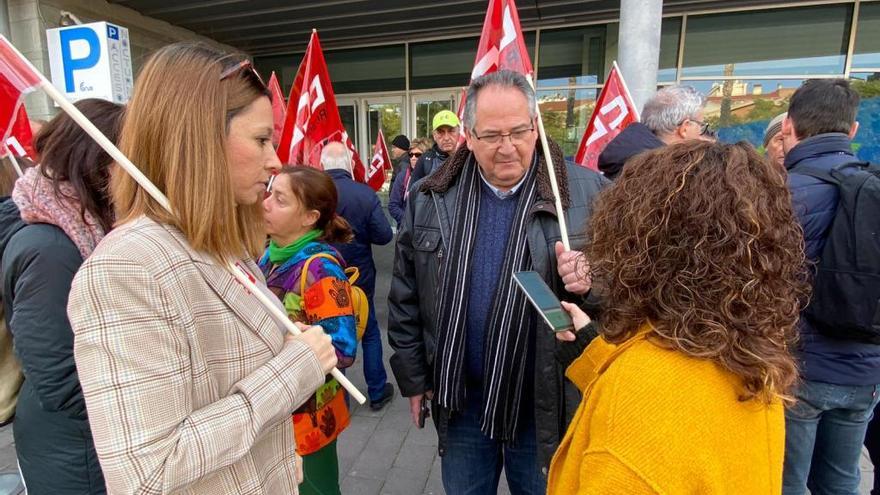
x=307, y=274
x=702, y=265
x=58, y=213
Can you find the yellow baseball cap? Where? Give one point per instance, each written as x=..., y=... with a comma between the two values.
x=445, y=117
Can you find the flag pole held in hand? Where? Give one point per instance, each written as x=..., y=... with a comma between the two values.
x=7, y=49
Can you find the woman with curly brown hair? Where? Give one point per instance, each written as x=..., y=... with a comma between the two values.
x=702, y=264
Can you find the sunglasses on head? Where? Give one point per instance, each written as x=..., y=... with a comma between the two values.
x=243, y=65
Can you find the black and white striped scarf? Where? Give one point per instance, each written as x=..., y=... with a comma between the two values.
x=506, y=340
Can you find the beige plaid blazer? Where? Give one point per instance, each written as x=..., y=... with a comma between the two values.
x=188, y=385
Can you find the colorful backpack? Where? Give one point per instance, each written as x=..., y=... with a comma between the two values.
x=359, y=300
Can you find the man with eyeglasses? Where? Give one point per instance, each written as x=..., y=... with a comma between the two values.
x=674, y=114
x=464, y=337
x=446, y=129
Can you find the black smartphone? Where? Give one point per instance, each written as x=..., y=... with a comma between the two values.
x=424, y=410
x=544, y=300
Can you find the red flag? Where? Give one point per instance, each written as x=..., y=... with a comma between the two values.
x=20, y=140
x=279, y=107
x=312, y=118
x=501, y=47
x=613, y=112
x=375, y=176
x=17, y=78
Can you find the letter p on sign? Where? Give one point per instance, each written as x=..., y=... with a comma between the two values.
x=80, y=50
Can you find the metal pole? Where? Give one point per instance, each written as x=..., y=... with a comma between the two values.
x=639, y=46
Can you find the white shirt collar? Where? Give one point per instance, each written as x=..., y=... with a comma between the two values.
x=498, y=192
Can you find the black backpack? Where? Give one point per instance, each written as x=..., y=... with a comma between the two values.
x=846, y=288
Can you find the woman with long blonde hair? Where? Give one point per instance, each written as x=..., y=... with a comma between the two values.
x=189, y=382
x=701, y=264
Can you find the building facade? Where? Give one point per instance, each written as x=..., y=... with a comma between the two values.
x=395, y=63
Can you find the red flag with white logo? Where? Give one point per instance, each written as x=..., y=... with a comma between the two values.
x=20, y=139
x=279, y=108
x=312, y=118
x=17, y=78
x=379, y=164
x=613, y=112
x=501, y=47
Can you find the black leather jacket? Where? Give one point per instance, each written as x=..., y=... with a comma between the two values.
x=420, y=250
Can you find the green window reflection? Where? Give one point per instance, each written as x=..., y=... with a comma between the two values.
x=565, y=114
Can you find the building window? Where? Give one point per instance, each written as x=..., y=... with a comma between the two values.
x=448, y=63
x=441, y=64
x=284, y=67
x=566, y=113
x=670, y=35
x=367, y=70
x=808, y=41
x=867, y=48
x=572, y=57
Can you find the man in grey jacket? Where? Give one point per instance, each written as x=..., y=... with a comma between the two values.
x=463, y=334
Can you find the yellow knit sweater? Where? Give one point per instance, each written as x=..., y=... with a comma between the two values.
x=657, y=421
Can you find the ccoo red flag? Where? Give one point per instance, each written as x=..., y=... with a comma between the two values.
x=17, y=78
x=375, y=176
x=501, y=47
x=20, y=139
x=279, y=108
x=613, y=112
x=312, y=118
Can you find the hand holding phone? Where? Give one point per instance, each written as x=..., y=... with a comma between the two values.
x=544, y=300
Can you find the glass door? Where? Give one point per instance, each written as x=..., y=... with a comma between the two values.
x=348, y=113
x=385, y=113
x=425, y=105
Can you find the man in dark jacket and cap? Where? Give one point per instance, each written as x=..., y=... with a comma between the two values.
x=840, y=379
x=463, y=334
x=359, y=205
x=399, y=155
x=446, y=130
x=672, y=115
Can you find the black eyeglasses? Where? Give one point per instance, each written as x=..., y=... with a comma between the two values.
x=705, y=128
x=518, y=136
x=415, y=153
x=243, y=65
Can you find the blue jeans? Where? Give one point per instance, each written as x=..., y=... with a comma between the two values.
x=824, y=432
x=374, y=368
x=472, y=462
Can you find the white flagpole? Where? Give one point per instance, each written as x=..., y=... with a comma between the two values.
x=626, y=89
x=560, y=213
x=15, y=164
x=157, y=195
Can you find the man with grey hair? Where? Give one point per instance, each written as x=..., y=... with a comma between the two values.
x=674, y=114
x=359, y=205
x=464, y=336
